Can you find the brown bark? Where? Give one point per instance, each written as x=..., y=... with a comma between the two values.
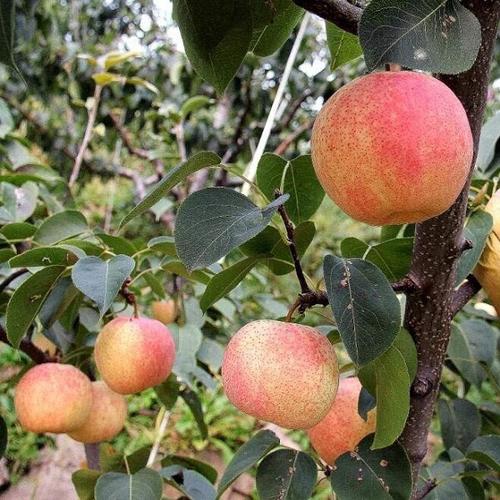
x=436, y=251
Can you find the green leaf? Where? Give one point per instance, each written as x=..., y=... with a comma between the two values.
x=19, y=203
x=194, y=104
x=117, y=244
x=114, y=58
x=277, y=32
x=190, y=482
x=84, y=481
x=390, y=232
x=172, y=178
x=191, y=463
x=225, y=281
x=155, y=284
x=460, y=423
x=393, y=257
x=42, y=257
x=58, y=301
x=194, y=404
x=175, y=266
x=217, y=49
x=211, y=354
x=7, y=26
x=295, y=177
x=366, y=309
x=472, y=343
x=213, y=221
x=247, y=456
x=439, y=36
x=3, y=437
x=287, y=475
x=6, y=254
x=101, y=280
x=406, y=347
x=104, y=78
x=490, y=133
x=168, y=391
x=6, y=121
x=485, y=450
x=477, y=230
x=353, y=248
x=379, y=474
x=389, y=372
x=18, y=231
x=27, y=301
x=143, y=485
x=187, y=339
x=164, y=244
x=60, y=226
x=366, y=402
x=344, y=47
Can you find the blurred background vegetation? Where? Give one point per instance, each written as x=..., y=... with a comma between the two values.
x=154, y=108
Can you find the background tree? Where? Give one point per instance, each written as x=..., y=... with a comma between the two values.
x=97, y=129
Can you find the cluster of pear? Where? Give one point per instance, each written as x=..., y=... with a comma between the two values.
x=131, y=354
x=288, y=374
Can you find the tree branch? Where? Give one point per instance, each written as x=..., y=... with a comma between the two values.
x=7, y=281
x=285, y=144
x=30, y=349
x=436, y=253
x=464, y=293
x=342, y=13
x=426, y=489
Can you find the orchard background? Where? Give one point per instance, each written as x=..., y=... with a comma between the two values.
x=117, y=119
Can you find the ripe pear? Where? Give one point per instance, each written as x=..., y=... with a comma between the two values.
x=53, y=397
x=164, y=311
x=487, y=270
x=107, y=416
x=392, y=147
x=342, y=429
x=133, y=354
x=281, y=372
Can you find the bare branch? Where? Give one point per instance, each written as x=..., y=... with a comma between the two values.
x=7, y=281
x=285, y=144
x=426, y=489
x=342, y=13
x=86, y=136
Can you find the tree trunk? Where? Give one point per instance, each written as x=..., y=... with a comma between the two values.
x=438, y=244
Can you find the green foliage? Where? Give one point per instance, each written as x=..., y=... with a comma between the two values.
x=367, y=310
x=440, y=36
x=145, y=484
x=368, y=473
x=344, y=47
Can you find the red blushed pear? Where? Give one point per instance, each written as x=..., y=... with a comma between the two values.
x=342, y=429
x=53, y=397
x=133, y=354
x=392, y=148
x=107, y=416
x=281, y=372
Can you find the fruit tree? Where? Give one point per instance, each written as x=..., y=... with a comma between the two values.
x=166, y=242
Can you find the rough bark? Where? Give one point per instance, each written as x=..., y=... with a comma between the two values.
x=436, y=251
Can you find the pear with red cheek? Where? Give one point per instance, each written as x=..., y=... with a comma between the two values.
x=53, y=397
x=342, y=429
x=393, y=147
x=281, y=372
x=164, y=311
x=133, y=354
x=107, y=416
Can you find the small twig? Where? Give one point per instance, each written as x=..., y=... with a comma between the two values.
x=7, y=281
x=129, y=296
x=307, y=300
x=343, y=14
x=30, y=349
x=464, y=293
x=290, y=232
x=86, y=137
x=426, y=489
x=159, y=436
